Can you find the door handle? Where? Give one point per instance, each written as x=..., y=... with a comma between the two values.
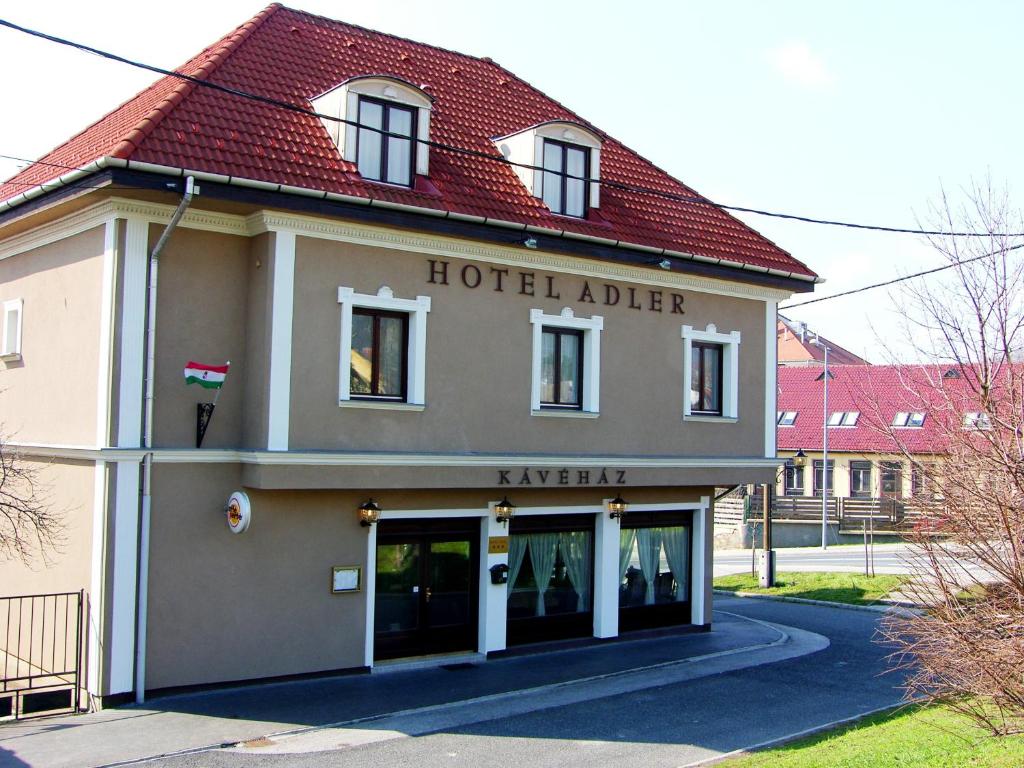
x=428, y=594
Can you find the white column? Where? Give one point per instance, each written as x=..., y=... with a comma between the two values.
x=370, y=590
x=125, y=574
x=493, y=597
x=606, y=574
x=700, y=611
x=771, y=370
x=282, y=304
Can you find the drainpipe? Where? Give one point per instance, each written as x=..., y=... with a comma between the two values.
x=147, y=433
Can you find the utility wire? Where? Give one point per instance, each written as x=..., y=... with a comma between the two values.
x=687, y=199
x=932, y=271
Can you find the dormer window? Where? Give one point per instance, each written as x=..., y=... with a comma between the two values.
x=558, y=162
x=383, y=151
x=386, y=124
x=564, y=189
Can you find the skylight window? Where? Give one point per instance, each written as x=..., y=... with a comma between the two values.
x=916, y=420
x=786, y=418
x=843, y=419
x=976, y=420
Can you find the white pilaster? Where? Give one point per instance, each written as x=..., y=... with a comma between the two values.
x=282, y=304
x=606, y=574
x=370, y=590
x=125, y=573
x=771, y=371
x=700, y=612
x=493, y=597
x=133, y=334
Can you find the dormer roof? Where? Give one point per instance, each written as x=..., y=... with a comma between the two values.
x=294, y=56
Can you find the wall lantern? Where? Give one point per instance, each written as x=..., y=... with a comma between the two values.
x=616, y=507
x=504, y=510
x=369, y=513
x=800, y=460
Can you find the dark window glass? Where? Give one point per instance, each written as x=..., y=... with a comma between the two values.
x=563, y=185
x=706, y=378
x=654, y=565
x=891, y=478
x=860, y=479
x=793, y=479
x=379, y=351
x=550, y=573
x=386, y=156
x=561, y=368
x=817, y=476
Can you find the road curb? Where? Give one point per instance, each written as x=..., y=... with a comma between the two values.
x=899, y=608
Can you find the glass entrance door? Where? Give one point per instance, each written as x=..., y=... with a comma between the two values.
x=426, y=594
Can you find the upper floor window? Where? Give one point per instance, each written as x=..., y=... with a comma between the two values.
x=10, y=342
x=710, y=373
x=383, y=349
x=385, y=147
x=564, y=186
x=566, y=363
x=384, y=126
x=844, y=419
x=905, y=419
x=977, y=420
x=786, y=418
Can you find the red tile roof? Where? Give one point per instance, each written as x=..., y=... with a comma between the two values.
x=878, y=392
x=294, y=56
x=793, y=350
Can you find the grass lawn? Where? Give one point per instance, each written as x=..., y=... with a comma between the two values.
x=854, y=588
x=914, y=737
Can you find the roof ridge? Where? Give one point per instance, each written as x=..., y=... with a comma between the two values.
x=219, y=52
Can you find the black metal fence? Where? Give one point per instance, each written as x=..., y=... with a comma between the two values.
x=41, y=653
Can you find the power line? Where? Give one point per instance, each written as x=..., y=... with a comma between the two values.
x=988, y=255
x=638, y=189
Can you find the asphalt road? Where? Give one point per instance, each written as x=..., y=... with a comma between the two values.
x=889, y=558
x=661, y=725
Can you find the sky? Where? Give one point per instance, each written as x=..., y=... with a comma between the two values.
x=848, y=111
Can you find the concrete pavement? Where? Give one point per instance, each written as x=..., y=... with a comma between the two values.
x=362, y=709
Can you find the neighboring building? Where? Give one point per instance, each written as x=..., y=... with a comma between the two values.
x=882, y=429
x=796, y=345
x=432, y=329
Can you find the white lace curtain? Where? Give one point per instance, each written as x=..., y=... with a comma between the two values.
x=516, y=553
x=648, y=545
x=543, y=550
x=677, y=552
x=627, y=537
x=575, y=546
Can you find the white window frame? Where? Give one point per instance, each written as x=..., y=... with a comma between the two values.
x=730, y=383
x=417, y=310
x=14, y=353
x=787, y=418
x=591, y=385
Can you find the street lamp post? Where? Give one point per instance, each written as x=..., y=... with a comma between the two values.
x=824, y=449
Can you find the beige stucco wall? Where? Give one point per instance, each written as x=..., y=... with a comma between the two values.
x=201, y=315
x=478, y=371
x=67, y=488
x=49, y=396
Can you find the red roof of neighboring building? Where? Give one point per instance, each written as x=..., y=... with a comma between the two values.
x=794, y=349
x=295, y=56
x=878, y=392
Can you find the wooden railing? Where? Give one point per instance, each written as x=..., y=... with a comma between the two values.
x=849, y=513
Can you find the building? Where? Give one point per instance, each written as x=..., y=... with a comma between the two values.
x=439, y=291
x=796, y=345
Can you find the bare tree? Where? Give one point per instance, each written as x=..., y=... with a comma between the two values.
x=966, y=648
x=29, y=527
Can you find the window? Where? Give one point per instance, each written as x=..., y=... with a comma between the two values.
x=383, y=348
x=976, y=420
x=860, y=479
x=710, y=373
x=561, y=368
x=380, y=347
x=564, y=186
x=566, y=363
x=843, y=419
x=11, y=341
x=793, y=479
x=706, y=379
x=891, y=478
x=817, y=476
x=383, y=156
x=919, y=479
x=787, y=418
x=904, y=419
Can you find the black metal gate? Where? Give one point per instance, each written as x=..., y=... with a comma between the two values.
x=41, y=654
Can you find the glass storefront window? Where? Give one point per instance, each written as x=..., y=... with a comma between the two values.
x=654, y=566
x=550, y=573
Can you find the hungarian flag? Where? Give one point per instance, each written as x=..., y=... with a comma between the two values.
x=208, y=376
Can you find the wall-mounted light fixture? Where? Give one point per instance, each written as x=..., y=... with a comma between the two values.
x=616, y=507
x=369, y=513
x=800, y=460
x=529, y=242
x=665, y=264
x=504, y=510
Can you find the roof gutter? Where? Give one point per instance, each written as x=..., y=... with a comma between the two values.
x=69, y=178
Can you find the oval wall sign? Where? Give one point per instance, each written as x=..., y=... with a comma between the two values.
x=239, y=512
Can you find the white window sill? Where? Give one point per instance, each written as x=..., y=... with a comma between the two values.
x=11, y=358
x=382, y=405
x=710, y=419
x=566, y=414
